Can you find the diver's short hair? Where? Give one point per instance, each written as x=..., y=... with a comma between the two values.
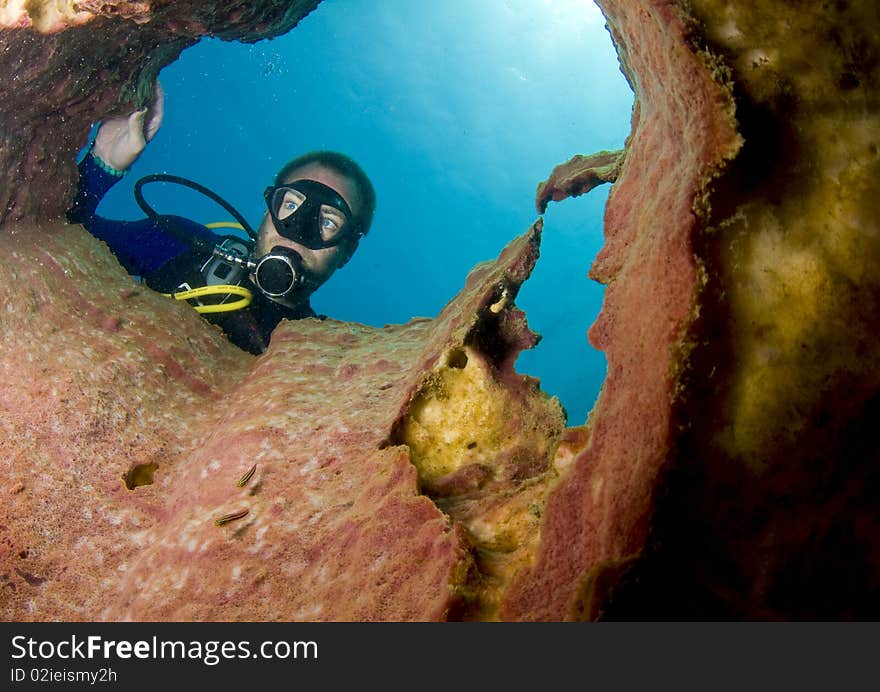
x=344, y=166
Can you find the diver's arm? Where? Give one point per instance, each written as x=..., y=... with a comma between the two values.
x=141, y=246
x=144, y=246
x=95, y=179
x=117, y=145
x=120, y=140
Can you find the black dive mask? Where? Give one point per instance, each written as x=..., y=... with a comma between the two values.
x=296, y=210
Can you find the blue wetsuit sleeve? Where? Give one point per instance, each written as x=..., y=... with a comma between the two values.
x=141, y=246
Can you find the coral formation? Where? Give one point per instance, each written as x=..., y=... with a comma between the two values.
x=483, y=443
x=463, y=420
x=577, y=176
x=776, y=461
x=131, y=433
x=67, y=64
x=728, y=469
x=597, y=519
x=761, y=487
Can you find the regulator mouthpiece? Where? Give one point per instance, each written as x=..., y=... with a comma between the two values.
x=279, y=272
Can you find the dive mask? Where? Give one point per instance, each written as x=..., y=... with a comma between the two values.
x=296, y=210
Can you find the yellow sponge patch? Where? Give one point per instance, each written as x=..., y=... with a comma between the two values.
x=463, y=415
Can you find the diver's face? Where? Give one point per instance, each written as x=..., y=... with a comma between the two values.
x=323, y=262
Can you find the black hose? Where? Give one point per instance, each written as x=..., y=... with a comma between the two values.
x=162, y=177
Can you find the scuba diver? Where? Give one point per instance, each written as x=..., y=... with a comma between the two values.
x=318, y=208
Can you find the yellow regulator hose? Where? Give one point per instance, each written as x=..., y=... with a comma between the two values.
x=224, y=224
x=219, y=289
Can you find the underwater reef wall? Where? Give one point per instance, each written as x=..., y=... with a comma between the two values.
x=152, y=471
x=732, y=472
x=770, y=505
x=65, y=65
x=728, y=470
x=683, y=130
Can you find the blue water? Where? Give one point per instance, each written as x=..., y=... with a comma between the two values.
x=456, y=110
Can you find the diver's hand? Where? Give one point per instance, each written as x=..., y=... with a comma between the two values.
x=120, y=140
